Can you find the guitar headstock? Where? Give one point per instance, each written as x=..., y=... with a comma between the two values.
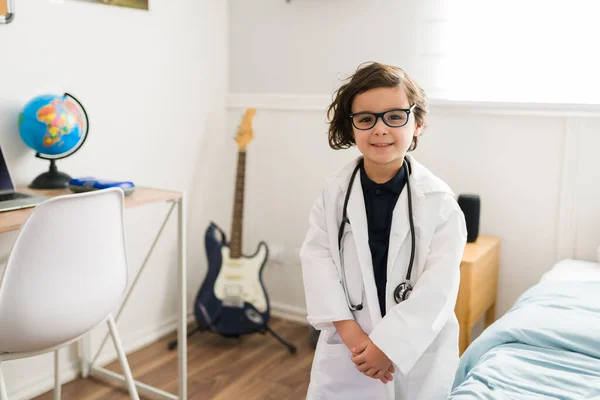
x=244, y=133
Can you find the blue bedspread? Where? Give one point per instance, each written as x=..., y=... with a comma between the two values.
x=546, y=347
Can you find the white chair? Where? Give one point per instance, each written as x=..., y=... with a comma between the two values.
x=65, y=274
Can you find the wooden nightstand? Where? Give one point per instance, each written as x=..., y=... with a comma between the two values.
x=478, y=286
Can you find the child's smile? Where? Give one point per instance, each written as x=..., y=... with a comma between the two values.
x=383, y=146
x=380, y=146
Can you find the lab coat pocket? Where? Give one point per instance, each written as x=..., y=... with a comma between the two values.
x=335, y=376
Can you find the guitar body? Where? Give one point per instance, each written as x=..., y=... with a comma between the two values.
x=232, y=300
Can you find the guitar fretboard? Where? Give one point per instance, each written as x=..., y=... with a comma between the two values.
x=238, y=208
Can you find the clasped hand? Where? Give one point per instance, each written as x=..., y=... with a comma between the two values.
x=373, y=362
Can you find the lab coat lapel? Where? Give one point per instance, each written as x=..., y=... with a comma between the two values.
x=358, y=222
x=400, y=229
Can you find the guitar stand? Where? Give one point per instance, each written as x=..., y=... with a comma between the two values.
x=173, y=343
x=198, y=328
x=287, y=344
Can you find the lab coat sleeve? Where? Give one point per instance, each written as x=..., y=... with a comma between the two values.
x=325, y=298
x=410, y=327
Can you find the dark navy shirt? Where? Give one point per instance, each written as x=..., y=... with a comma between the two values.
x=380, y=200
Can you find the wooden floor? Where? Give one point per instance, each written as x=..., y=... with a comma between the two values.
x=254, y=367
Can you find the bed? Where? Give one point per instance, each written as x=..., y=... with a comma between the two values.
x=547, y=346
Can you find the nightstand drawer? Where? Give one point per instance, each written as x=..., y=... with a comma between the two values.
x=478, y=285
x=483, y=279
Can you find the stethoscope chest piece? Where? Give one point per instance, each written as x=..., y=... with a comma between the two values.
x=402, y=292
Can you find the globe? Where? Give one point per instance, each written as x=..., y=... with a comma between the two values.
x=55, y=127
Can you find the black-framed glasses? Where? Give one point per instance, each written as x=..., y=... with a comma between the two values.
x=395, y=118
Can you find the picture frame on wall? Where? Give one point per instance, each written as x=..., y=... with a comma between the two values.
x=6, y=11
x=138, y=4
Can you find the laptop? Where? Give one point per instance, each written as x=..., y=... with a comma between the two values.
x=10, y=199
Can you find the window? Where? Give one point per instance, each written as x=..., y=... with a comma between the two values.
x=542, y=51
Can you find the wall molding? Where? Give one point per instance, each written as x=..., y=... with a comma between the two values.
x=278, y=102
x=319, y=103
x=566, y=233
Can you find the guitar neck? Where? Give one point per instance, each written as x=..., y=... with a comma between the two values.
x=238, y=207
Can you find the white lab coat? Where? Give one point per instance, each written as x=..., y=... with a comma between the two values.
x=419, y=335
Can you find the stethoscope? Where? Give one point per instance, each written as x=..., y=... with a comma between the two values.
x=403, y=290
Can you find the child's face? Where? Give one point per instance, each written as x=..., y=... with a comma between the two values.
x=383, y=144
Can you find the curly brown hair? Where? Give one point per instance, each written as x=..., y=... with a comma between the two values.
x=369, y=76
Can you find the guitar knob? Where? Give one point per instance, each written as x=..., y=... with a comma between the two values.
x=254, y=316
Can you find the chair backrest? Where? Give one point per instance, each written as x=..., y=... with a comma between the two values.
x=66, y=272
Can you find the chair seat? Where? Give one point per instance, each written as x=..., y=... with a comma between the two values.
x=14, y=355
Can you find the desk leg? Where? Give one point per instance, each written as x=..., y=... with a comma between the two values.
x=464, y=338
x=182, y=326
x=490, y=315
x=85, y=346
x=147, y=391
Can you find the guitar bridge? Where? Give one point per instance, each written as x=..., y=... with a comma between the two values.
x=234, y=302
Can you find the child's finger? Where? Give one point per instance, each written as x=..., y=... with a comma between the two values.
x=389, y=376
x=359, y=359
x=384, y=377
x=364, y=367
x=360, y=347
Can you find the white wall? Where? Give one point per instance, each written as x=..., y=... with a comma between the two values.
x=306, y=46
x=493, y=52
x=524, y=160
x=154, y=84
x=457, y=49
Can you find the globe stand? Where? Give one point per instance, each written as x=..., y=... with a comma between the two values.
x=52, y=179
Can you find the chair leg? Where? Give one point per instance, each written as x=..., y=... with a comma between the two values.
x=57, y=386
x=124, y=364
x=3, y=395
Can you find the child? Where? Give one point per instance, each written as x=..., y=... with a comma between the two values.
x=381, y=259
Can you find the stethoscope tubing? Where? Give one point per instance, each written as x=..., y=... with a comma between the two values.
x=402, y=287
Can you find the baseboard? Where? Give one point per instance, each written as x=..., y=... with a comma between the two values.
x=288, y=312
x=71, y=371
x=43, y=385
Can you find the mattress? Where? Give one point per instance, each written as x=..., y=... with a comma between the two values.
x=573, y=270
x=544, y=347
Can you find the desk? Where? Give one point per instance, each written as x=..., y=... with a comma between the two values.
x=478, y=286
x=12, y=221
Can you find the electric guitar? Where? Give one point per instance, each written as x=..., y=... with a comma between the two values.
x=232, y=299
